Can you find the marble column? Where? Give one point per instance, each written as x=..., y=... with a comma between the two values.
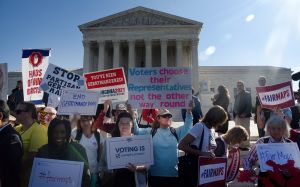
x=86, y=56
x=195, y=72
x=148, y=44
x=179, y=53
x=101, y=49
x=116, y=56
x=131, y=53
x=164, y=52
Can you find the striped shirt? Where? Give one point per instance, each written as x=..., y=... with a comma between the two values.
x=251, y=158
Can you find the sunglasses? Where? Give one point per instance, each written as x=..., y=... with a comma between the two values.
x=166, y=116
x=19, y=111
x=86, y=118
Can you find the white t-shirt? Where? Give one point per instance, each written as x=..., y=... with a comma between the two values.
x=91, y=148
x=208, y=143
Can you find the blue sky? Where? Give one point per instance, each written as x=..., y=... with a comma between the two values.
x=235, y=32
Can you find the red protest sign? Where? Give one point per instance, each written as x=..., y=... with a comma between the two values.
x=111, y=84
x=107, y=78
x=212, y=172
x=276, y=96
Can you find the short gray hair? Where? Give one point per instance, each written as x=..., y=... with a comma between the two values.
x=278, y=121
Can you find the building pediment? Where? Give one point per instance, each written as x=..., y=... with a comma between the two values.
x=140, y=16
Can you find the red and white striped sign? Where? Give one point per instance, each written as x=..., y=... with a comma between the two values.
x=276, y=96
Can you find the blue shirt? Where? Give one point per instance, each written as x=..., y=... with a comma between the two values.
x=165, y=148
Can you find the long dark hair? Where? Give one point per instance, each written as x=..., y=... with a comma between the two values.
x=78, y=124
x=215, y=116
x=223, y=91
x=116, y=131
x=53, y=124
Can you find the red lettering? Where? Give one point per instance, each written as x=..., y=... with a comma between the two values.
x=34, y=90
x=35, y=73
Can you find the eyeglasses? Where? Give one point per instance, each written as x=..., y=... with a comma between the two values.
x=51, y=114
x=166, y=116
x=19, y=111
x=86, y=118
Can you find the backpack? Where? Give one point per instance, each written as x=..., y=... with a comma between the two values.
x=173, y=131
x=220, y=150
x=97, y=136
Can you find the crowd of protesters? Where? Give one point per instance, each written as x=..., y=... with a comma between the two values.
x=41, y=132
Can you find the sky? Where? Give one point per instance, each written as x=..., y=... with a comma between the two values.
x=234, y=33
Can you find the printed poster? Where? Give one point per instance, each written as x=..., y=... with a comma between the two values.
x=78, y=102
x=212, y=172
x=57, y=79
x=137, y=150
x=276, y=96
x=34, y=65
x=161, y=87
x=110, y=83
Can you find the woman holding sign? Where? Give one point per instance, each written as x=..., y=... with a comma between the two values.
x=165, y=139
x=277, y=129
x=126, y=177
x=200, y=141
x=61, y=147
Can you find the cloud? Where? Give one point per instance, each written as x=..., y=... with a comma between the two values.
x=250, y=18
x=204, y=55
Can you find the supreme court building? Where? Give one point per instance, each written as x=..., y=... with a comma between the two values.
x=141, y=37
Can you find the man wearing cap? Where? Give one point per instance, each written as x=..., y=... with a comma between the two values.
x=11, y=150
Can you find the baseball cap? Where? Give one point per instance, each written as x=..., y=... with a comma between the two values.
x=163, y=112
x=121, y=106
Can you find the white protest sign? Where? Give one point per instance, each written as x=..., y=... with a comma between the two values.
x=212, y=172
x=34, y=65
x=280, y=153
x=58, y=173
x=134, y=149
x=53, y=100
x=110, y=83
x=78, y=101
x=276, y=96
x=57, y=79
x=163, y=87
